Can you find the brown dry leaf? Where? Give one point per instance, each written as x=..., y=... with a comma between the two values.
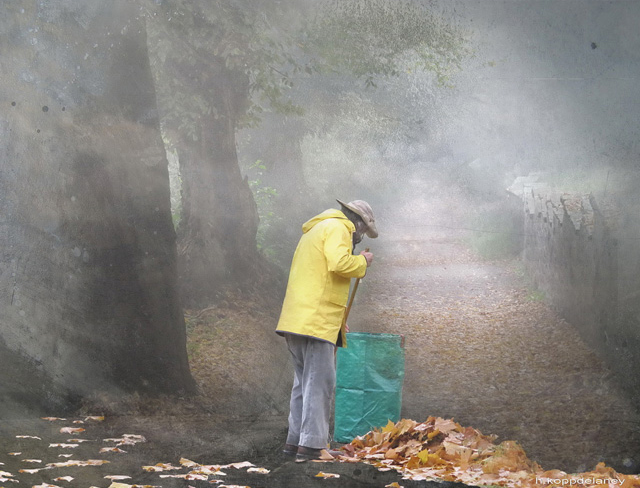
x=325, y=456
x=94, y=418
x=64, y=446
x=188, y=463
x=209, y=470
x=31, y=471
x=258, y=470
x=32, y=461
x=135, y=437
x=395, y=484
x=75, y=463
x=465, y=458
x=113, y=449
x=630, y=482
x=160, y=467
x=194, y=476
x=14, y=453
x=243, y=464
x=127, y=440
x=445, y=426
x=187, y=476
x=391, y=454
x=68, y=479
x=124, y=485
x=71, y=430
x=324, y=475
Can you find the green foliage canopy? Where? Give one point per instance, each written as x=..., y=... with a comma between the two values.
x=371, y=38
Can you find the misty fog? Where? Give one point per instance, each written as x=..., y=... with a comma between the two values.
x=160, y=157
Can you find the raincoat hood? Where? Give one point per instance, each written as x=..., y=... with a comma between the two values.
x=332, y=213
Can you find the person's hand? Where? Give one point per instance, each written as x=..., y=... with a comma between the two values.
x=368, y=256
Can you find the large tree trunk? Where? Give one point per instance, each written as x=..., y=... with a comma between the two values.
x=217, y=233
x=204, y=92
x=87, y=247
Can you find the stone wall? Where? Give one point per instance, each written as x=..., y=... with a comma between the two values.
x=584, y=255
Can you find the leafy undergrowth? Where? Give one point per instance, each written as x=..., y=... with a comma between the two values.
x=440, y=449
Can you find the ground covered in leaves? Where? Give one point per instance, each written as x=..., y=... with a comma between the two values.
x=483, y=347
x=483, y=351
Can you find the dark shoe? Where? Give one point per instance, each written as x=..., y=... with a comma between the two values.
x=290, y=450
x=310, y=454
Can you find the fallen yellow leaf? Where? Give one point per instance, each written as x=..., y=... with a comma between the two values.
x=327, y=475
x=390, y=427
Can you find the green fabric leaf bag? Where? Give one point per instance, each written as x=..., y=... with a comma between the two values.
x=369, y=377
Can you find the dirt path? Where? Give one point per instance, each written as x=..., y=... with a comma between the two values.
x=482, y=349
x=479, y=348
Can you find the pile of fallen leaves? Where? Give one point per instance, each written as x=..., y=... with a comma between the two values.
x=441, y=449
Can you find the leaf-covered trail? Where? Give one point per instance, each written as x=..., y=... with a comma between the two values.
x=480, y=347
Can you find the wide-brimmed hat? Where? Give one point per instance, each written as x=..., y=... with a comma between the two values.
x=363, y=209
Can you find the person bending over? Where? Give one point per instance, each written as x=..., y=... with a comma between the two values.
x=312, y=317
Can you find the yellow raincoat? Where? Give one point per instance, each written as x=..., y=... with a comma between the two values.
x=321, y=272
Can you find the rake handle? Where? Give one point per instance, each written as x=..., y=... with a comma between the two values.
x=353, y=294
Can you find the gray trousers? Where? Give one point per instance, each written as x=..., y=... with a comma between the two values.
x=312, y=394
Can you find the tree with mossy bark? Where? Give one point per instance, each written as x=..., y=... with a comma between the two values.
x=220, y=64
